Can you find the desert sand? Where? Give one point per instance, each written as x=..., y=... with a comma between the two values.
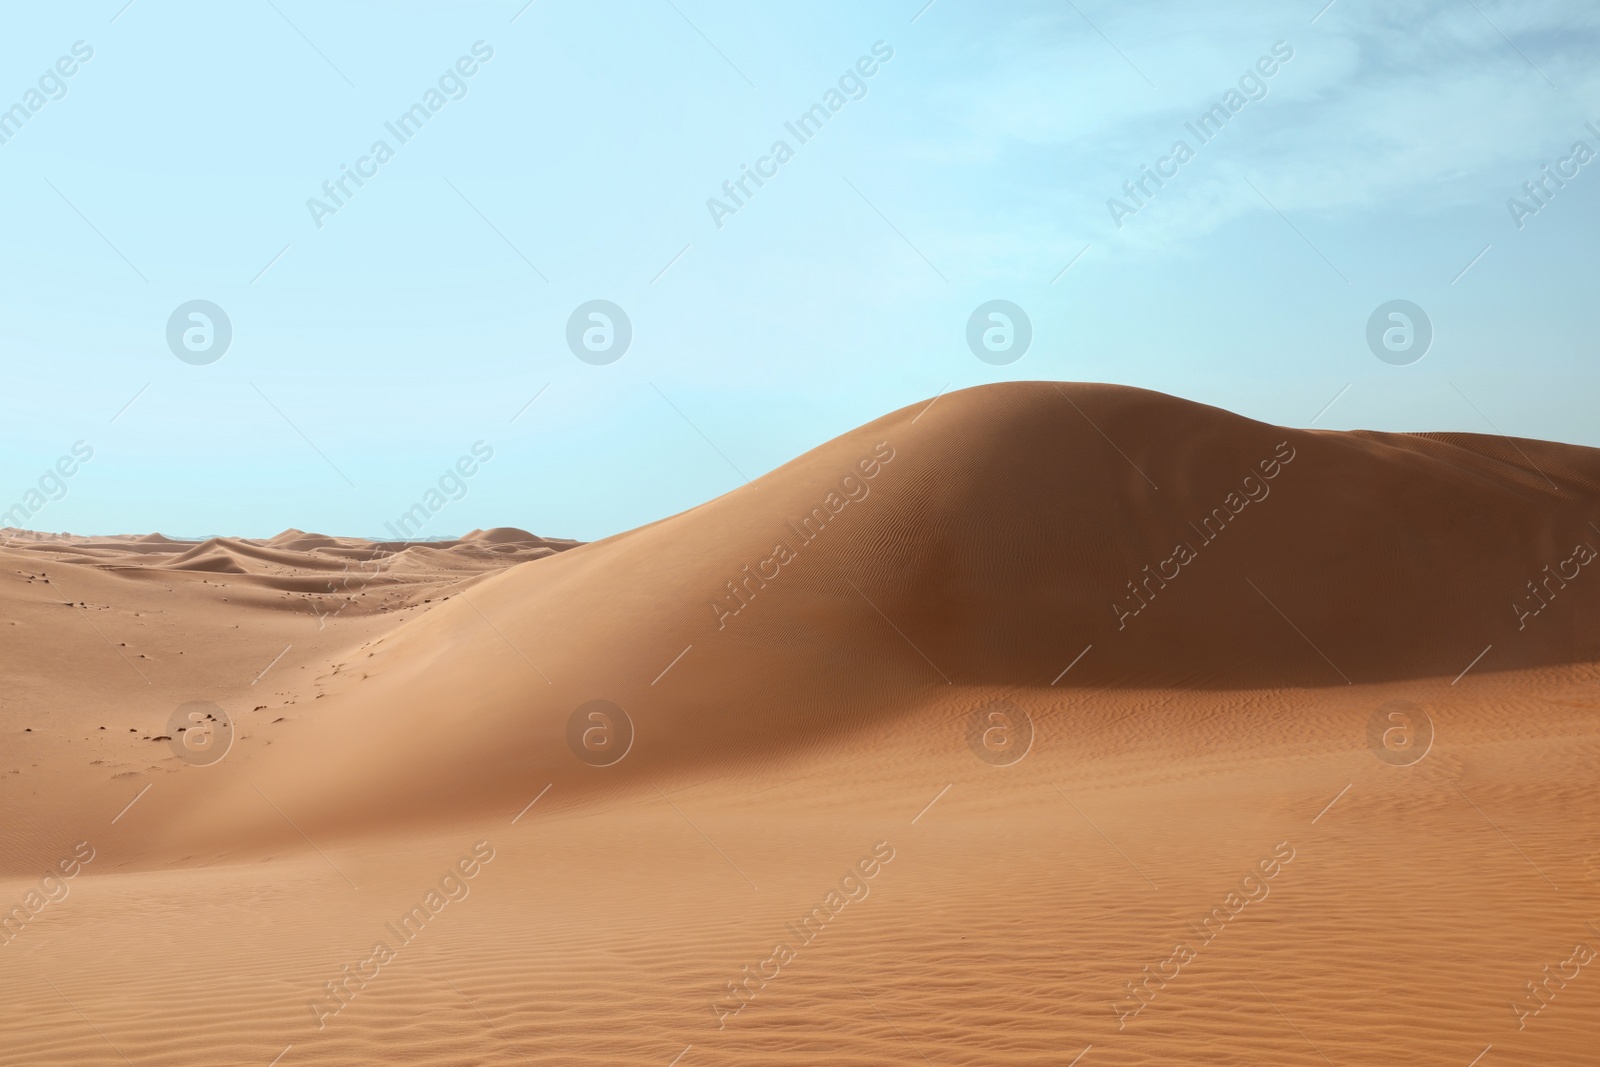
x=1042, y=723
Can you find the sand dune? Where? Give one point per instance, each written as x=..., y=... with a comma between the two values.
x=1188, y=621
x=993, y=541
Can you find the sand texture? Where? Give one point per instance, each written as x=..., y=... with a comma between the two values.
x=1042, y=721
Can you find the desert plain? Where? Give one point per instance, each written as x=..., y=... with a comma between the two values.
x=1038, y=723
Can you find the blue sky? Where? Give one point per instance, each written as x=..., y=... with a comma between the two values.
x=371, y=351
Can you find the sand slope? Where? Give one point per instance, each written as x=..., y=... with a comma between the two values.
x=803, y=662
x=995, y=540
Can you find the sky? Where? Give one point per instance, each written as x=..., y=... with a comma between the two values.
x=558, y=154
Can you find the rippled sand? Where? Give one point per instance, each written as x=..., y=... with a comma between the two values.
x=930, y=785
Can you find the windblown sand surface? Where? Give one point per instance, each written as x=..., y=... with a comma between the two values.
x=1046, y=721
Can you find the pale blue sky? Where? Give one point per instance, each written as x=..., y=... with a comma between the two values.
x=424, y=314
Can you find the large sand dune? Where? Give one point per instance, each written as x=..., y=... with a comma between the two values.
x=1039, y=692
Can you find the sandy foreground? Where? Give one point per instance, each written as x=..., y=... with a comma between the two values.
x=1046, y=724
